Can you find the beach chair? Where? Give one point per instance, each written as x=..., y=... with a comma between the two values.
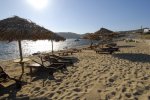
x=54, y=59
x=62, y=58
x=111, y=45
x=52, y=68
x=110, y=50
x=55, y=63
x=5, y=78
x=3, y=75
x=75, y=50
x=66, y=52
x=45, y=63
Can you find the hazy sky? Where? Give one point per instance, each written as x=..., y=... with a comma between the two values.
x=80, y=16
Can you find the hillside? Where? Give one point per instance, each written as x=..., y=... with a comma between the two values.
x=69, y=35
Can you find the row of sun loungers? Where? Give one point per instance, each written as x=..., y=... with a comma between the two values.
x=107, y=48
x=52, y=63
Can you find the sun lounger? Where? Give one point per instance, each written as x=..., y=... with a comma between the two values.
x=66, y=52
x=110, y=50
x=90, y=47
x=3, y=75
x=62, y=58
x=76, y=50
x=111, y=45
x=5, y=80
x=57, y=66
x=54, y=60
x=46, y=62
x=52, y=67
x=62, y=53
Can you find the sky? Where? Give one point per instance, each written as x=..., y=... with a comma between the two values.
x=80, y=16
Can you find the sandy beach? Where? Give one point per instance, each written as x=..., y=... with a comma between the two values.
x=124, y=75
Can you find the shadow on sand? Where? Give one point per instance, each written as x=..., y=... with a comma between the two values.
x=42, y=73
x=11, y=90
x=134, y=57
x=126, y=46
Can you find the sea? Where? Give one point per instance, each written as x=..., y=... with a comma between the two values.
x=10, y=50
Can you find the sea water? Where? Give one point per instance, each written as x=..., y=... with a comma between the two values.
x=10, y=50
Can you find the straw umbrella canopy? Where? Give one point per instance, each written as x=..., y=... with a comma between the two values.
x=105, y=34
x=91, y=37
x=17, y=29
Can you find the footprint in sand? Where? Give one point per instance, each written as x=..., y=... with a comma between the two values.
x=40, y=93
x=77, y=89
x=51, y=95
x=128, y=95
x=59, y=92
x=37, y=89
x=124, y=89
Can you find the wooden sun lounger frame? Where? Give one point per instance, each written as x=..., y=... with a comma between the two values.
x=110, y=50
x=67, y=52
x=52, y=67
x=62, y=58
x=7, y=77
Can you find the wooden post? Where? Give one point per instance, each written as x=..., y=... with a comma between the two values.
x=22, y=65
x=21, y=58
x=20, y=50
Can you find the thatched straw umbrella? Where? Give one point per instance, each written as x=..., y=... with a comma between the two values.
x=91, y=37
x=105, y=34
x=17, y=29
x=103, y=31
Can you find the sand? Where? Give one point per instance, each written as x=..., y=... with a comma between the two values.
x=124, y=75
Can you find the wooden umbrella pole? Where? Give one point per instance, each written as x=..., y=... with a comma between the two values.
x=21, y=58
x=20, y=50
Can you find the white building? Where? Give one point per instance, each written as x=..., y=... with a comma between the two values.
x=146, y=30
